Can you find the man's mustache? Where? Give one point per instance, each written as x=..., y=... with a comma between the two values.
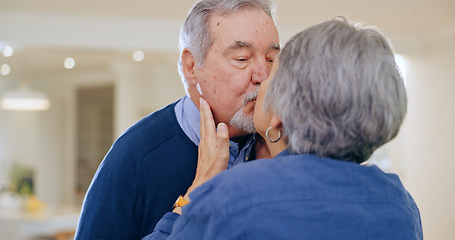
x=251, y=96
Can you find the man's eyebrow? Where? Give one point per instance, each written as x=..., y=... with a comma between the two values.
x=275, y=46
x=240, y=44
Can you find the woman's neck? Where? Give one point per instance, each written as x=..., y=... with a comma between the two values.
x=266, y=149
x=276, y=148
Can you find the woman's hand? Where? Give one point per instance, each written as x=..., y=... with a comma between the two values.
x=213, y=148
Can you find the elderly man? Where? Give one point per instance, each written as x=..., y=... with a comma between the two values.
x=227, y=50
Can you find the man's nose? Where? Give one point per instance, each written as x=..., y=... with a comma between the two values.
x=260, y=72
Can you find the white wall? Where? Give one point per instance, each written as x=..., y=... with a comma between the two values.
x=428, y=135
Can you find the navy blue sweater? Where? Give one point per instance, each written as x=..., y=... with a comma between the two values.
x=142, y=175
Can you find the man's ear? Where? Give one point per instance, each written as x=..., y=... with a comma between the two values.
x=188, y=66
x=276, y=122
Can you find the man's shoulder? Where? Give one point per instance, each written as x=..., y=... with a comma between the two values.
x=158, y=122
x=155, y=130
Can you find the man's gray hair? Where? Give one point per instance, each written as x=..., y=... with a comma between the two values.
x=338, y=91
x=195, y=33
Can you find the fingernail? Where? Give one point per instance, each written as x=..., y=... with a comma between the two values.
x=222, y=127
x=200, y=101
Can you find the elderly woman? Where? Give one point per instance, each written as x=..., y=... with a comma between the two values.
x=334, y=96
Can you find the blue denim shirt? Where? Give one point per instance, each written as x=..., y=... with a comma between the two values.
x=296, y=197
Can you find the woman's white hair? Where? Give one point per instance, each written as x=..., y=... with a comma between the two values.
x=338, y=91
x=195, y=33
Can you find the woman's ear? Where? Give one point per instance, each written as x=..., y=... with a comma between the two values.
x=188, y=66
x=276, y=122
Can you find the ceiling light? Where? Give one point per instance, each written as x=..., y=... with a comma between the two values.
x=24, y=99
x=69, y=63
x=5, y=69
x=8, y=51
x=138, y=55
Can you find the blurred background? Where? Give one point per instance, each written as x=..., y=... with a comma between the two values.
x=102, y=65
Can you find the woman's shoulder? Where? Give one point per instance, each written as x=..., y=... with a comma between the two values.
x=248, y=181
x=275, y=192
x=302, y=177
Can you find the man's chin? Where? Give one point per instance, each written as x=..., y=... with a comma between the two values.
x=236, y=133
x=243, y=123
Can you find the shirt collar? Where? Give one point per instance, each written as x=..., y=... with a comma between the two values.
x=193, y=116
x=283, y=153
x=188, y=117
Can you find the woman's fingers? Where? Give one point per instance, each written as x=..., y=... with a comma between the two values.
x=207, y=122
x=222, y=145
x=213, y=147
x=213, y=140
x=202, y=117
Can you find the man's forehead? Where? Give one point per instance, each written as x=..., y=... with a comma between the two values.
x=216, y=19
x=234, y=36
